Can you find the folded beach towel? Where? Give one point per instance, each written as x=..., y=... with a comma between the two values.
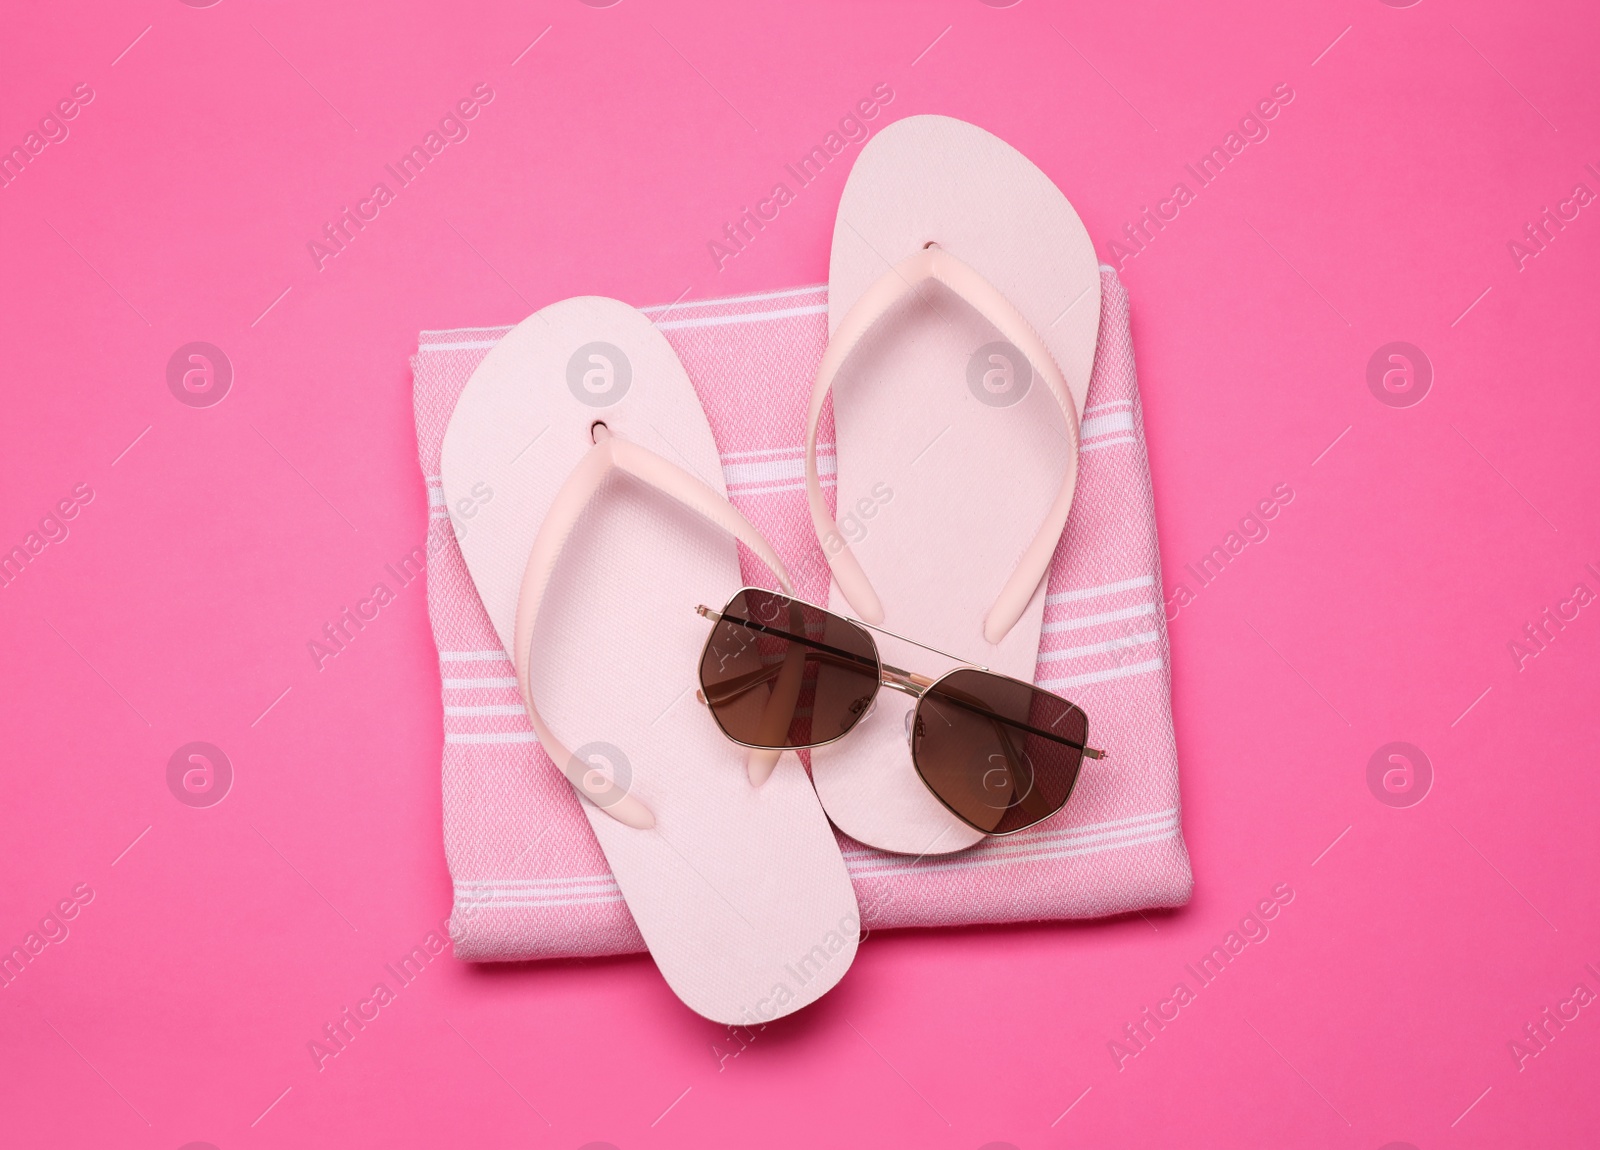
x=530, y=881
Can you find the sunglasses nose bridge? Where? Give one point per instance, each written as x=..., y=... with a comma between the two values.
x=899, y=679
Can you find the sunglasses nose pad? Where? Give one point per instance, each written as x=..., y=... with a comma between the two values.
x=910, y=716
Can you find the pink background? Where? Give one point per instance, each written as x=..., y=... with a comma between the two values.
x=221, y=942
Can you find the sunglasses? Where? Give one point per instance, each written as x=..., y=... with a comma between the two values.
x=781, y=674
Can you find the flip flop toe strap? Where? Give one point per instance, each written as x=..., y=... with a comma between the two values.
x=607, y=455
x=934, y=263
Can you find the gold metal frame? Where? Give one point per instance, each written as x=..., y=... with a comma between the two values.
x=896, y=678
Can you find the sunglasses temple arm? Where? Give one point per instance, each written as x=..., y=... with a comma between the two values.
x=846, y=657
x=714, y=616
x=748, y=683
x=1088, y=751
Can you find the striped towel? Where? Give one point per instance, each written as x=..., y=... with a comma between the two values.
x=530, y=880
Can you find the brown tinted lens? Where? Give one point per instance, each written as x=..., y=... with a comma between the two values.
x=781, y=673
x=1000, y=754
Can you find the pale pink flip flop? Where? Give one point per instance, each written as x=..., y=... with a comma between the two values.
x=963, y=308
x=608, y=523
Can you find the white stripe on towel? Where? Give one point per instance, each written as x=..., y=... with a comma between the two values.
x=501, y=903
x=773, y=470
x=772, y=488
x=747, y=317
x=1102, y=589
x=562, y=885
x=1139, y=640
x=1079, y=622
x=797, y=449
x=1130, y=825
x=1030, y=846
x=501, y=328
x=785, y=294
x=578, y=890
x=1098, y=444
x=1106, y=424
x=1103, y=676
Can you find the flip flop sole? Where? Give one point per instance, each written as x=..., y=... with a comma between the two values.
x=950, y=450
x=740, y=892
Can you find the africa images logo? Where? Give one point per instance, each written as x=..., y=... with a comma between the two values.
x=599, y=374
x=1399, y=374
x=1399, y=774
x=998, y=375
x=199, y=774
x=199, y=374
x=607, y=773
